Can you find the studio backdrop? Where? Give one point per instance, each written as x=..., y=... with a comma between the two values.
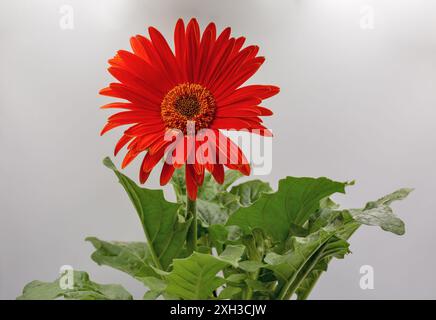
x=357, y=102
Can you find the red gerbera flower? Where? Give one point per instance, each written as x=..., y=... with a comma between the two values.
x=199, y=83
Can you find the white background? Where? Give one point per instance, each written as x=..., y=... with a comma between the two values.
x=355, y=104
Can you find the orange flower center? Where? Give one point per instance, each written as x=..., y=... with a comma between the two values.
x=188, y=102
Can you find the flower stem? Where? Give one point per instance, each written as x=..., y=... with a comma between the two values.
x=191, y=212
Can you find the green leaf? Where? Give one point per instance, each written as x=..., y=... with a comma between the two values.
x=132, y=258
x=342, y=221
x=195, y=277
x=179, y=184
x=228, y=292
x=399, y=194
x=165, y=233
x=155, y=284
x=211, y=188
x=220, y=235
x=232, y=254
x=151, y=295
x=216, y=210
x=376, y=213
x=379, y=213
x=250, y=191
x=156, y=287
x=83, y=289
x=230, y=177
x=250, y=265
x=294, y=202
x=257, y=286
x=208, y=189
x=328, y=203
x=236, y=278
x=214, y=203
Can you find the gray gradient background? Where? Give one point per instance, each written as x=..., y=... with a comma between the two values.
x=355, y=104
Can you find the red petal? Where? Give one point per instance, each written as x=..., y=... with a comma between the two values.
x=156, y=63
x=109, y=126
x=180, y=158
x=259, y=91
x=199, y=174
x=128, y=117
x=245, y=73
x=246, y=102
x=260, y=130
x=219, y=63
x=139, y=49
x=231, y=154
x=117, y=61
x=141, y=129
x=238, y=44
x=166, y=55
x=193, y=41
x=166, y=174
x=191, y=185
x=121, y=143
x=122, y=91
x=230, y=123
x=140, y=86
x=180, y=46
x=264, y=111
x=205, y=48
x=122, y=105
x=144, y=142
x=218, y=48
x=228, y=71
x=146, y=72
x=151, y=160
x=212, y=28
x=237, y=112
x=159, y=146
x=218, y=173
x=129, y=157
x=143, y=175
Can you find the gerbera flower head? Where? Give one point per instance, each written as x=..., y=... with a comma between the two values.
x=175, y=97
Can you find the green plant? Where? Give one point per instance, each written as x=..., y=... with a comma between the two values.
x=242, y=241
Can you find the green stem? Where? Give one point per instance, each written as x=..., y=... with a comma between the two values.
x=346, y=236
x=249, y=294
x=300, y=279
x=191, y=212
x=254, y=255
x=289, y=289
x=307, y=292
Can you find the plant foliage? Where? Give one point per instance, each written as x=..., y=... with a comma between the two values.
x=253, y=242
